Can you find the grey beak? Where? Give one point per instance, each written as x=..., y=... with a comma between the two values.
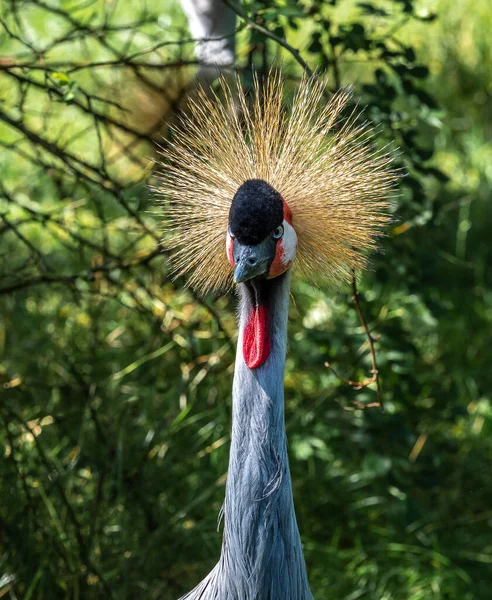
x=252, y=261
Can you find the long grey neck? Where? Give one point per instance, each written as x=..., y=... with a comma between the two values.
x=262, y=557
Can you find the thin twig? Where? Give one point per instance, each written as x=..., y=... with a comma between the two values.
x=358, y=385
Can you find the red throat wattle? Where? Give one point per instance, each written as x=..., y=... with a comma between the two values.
x=256, y=337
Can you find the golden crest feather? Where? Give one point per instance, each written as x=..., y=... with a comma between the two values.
x=336, y=184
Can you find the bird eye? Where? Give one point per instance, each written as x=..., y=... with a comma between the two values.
x=278, y=233
x=231, y=235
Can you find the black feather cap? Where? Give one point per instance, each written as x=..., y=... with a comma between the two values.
x=256, y=210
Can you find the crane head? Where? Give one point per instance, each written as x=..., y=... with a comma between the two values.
x=261, y=244
x=261, y=240
x=281, y=183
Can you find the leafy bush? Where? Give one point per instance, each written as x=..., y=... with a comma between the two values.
x=115, y=409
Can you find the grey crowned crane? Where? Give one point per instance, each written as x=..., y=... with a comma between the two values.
x=252, y=192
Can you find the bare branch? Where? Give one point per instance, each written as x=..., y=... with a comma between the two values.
x=358, y=385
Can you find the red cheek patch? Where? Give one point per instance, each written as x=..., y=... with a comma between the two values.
x=229, y=248
x=256, y=338
x=277, y=267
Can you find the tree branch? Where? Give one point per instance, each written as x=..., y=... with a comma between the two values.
x=281, y=41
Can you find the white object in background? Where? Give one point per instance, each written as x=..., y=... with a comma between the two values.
x=213, y=24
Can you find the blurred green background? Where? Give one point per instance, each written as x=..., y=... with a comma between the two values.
x=115, y=380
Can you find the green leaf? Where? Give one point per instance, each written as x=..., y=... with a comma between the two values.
x=376, y=465
x=61, y=79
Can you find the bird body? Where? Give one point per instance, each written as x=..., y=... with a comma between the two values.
x=248, y=194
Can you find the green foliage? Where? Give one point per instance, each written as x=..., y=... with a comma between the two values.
x=115, y=380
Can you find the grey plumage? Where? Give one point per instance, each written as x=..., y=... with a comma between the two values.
x=262, y=556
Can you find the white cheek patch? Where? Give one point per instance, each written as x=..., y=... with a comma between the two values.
x=289, y=243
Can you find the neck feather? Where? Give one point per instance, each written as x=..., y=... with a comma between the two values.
x=262, y=556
